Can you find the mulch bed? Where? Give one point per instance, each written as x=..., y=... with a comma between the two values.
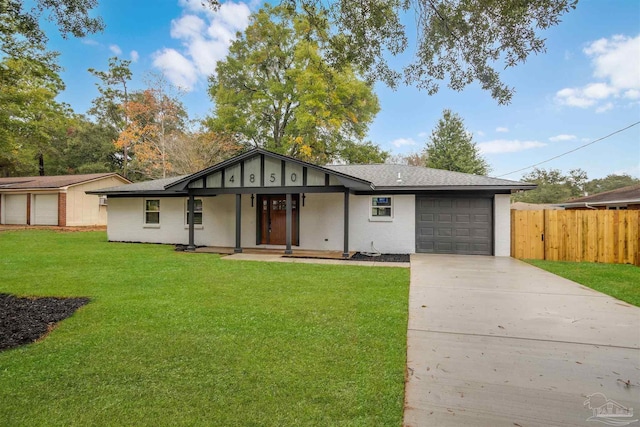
x=382, y=258
x=26, y=320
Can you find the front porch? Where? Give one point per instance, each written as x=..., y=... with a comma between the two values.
x=298, y=253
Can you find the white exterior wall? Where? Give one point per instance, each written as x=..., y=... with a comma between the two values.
x=321, y=223
x=389, y=237
x=502, y=224
x=85, y=209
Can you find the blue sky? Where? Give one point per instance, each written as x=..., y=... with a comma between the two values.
x=585, y=86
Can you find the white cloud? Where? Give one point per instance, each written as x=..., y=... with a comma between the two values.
x=205, y=36
x=400, y=142
x=502, y=129
x=480, y=133
x=115, y=49
x=90, y=42
x=603, y=108
x=508, y=146
x=616, y=63
x=134, y=55
x=423, y=134
x=178, y=69
x=562, y=137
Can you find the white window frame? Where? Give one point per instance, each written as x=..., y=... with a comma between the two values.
x=376, y=218
x=186, y=214
x=145, y=211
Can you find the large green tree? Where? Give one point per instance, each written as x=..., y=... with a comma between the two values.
x=30, y=117
x=86, y=147
x=451, y=147
x=20, y=26
x=108, y=106
x=553, y=186
x=610, y=182
x=275, y=90
x=458, y=42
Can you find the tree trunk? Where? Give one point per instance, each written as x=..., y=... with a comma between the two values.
x=40, y=164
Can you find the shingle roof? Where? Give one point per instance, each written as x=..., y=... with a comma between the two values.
x=58, y=181
x=145, y=186
x=624, y=194
x=400, y=176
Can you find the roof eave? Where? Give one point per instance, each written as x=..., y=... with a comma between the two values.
x=138, y=193
x=601, y=203
x=452, y=188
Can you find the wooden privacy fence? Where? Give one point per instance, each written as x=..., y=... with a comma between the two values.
x=608, y=236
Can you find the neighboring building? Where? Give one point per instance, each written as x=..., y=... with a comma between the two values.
x=55, y=200
x=523, y=206
x=263, y=199
x=621, y=198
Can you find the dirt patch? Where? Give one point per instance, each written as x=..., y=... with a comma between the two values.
x=358, y=256
x=26, y=320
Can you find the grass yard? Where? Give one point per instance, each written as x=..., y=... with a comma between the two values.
x=172, y=338
x=621, y=281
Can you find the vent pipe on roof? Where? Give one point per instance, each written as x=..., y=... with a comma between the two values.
x=399, y=180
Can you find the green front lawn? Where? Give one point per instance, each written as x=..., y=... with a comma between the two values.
x=621, y=281
x=171, y=338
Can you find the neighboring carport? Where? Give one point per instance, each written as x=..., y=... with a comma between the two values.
x=494, y=341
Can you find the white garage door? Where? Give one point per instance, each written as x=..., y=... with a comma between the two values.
x=451, y=225
x=45, y=209
x=15, y=209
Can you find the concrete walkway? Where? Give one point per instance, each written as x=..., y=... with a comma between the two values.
x=496, y=342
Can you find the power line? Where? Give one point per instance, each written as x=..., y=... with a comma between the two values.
x=571, y=151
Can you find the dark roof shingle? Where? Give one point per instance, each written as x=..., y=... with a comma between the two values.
x=384, y=175
x=624, y=194
x=57, y=181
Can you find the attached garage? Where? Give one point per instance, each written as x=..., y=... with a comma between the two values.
x=454, y=225
x=45, y=209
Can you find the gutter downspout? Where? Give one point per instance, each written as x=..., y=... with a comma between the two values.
x=586, y=205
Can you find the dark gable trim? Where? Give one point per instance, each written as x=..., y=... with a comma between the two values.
x=265, y=190
x=160, y=193
x=345, y=179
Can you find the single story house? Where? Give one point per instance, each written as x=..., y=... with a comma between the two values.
x=261, y=199
x=620, y=199
x=55, y=200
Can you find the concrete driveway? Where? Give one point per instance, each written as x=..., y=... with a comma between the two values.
x=496, y=342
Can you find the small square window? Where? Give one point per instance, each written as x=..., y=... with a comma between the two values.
x=381, y=209
x=152, y=211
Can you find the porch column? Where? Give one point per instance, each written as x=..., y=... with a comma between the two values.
x=345, y=253
x=288, y=226
x=238, y=248
x=191, y=205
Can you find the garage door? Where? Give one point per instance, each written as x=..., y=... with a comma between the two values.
x=449, y=225
x=45, y=209
x=15, y=209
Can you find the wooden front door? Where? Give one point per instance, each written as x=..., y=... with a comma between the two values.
x=273, y=219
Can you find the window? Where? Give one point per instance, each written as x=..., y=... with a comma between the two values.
x=197, y=212
x=152, y=212
x=381, y=209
